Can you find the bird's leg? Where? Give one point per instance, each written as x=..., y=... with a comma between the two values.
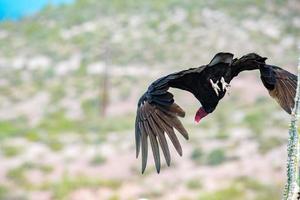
x=225, y=86
x=215, y=86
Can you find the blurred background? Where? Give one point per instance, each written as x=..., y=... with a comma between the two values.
x=71, y=73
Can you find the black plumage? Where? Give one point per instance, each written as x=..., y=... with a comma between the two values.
x=157, y=112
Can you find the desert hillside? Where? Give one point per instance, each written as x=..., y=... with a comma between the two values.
x=57, y=140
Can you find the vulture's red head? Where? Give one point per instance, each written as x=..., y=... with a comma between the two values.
x=200, y=114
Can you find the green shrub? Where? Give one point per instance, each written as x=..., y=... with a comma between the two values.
x=12, y=128
x=232, y=193
x=194, y=184
x=197, y=155
x=32, y=136
x=4, y=191
x=216, y=157
x=11, y=151
x=17, y=175
x=68, y=184
x=269, y=143
x=98, y=160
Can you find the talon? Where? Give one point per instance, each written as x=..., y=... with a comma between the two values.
x=215, y=86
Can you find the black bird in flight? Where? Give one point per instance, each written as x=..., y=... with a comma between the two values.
x=157, y=111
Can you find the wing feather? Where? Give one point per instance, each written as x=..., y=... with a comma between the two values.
x=144, y=146
x=162, y=140
x=157, y=115
x=153, y=122
x=154, y=146
x=137, y=135
x=170, y=132
x=173, y=121
x=284, y=89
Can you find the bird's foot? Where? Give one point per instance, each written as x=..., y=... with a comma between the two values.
x=225, y=86
x=215, y=86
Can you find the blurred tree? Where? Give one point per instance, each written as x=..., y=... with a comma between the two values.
x=104, y=93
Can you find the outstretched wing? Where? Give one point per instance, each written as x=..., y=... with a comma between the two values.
x=157, y=116
x=154, y=122
x=281, y=85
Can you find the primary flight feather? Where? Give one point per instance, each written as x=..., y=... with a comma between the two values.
x=157, y=113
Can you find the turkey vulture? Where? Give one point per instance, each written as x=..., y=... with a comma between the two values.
x=157, y=111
